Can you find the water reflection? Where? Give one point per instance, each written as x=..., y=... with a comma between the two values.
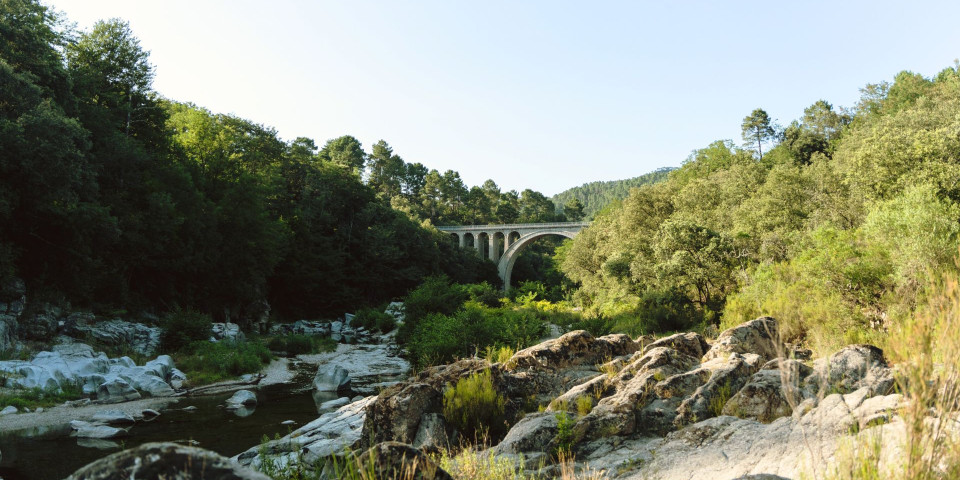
x=98, y=443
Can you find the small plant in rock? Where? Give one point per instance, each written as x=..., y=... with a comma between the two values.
x=495, y=354
x=471, y=464
x=584, y=405
x=719, y=399
x=474, y=407
x=285, y=470
x=563, y=441
x=608, y=367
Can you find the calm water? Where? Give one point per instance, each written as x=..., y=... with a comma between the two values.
x=52, y=454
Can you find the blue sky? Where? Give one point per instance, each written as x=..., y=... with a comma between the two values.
x=533, y=94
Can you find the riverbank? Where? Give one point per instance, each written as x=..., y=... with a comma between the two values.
x=277, y=372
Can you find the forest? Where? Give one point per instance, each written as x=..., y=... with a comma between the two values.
x=839, y=224
x=115, y=198
x=595, y=196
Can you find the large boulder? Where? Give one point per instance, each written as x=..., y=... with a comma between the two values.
x=533, y=433
x=241, y=398
x=726, y=379
x=689, y=343
x=399, y=460
x=169, y=461
x=116, y=390
x=41, y=324
x=330, y=435
x=574, y=348
x=113, y=417
x=398, y=410
x=227, y=331
x=96, y=430
x=760, y=336
x=331, y=378
x=8, y=332
x=119, y=334
x=761, y=398
x=851, y=368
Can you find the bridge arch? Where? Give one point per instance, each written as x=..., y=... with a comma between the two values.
x=502, y=243
x=510, y=255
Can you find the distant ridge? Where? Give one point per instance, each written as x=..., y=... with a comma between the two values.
x=596, y=195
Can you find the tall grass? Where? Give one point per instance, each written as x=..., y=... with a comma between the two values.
x=927, y=350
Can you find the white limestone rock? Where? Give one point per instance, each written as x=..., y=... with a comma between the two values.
x=96, y=430
x=241, y=398
x=331, y=378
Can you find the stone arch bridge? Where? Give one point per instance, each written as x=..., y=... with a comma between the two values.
x=503, y=243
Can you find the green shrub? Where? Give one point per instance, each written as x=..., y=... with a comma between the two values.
x=209, y=362
x=441, y=338
x=563, y=441
x=495, y=354
x=475, y=408
x=485, y=294
x=298, y=344
x=435, y=296
x=373, y=319
x=584, y=405
x=36, y=397
x=183, y=327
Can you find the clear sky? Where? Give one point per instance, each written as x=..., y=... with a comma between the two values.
x=533, y=94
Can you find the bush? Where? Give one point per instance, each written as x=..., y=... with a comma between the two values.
x=373, y=319
x=475, y=408
x=208, y=362
x=298, y=344
x=441, y=338
x=435, y=296
x=183, y=327
x=484, y=293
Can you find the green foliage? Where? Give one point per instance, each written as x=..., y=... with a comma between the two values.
x=584, y=405
x=374, y=319
x=436, y=295
x=37, y=397
x=183, y=327
x=474, y=407
x=596, y=196
x=720, y=398
x=834, y=231
x=209, y=362
x=441, y=338
x=564, y=439
x=495, y=354
x=757, y=128
x=276, y=469
x=297, y=344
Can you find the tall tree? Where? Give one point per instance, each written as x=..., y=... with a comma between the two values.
x=345, y=151
x=111, y=71
x=573, y=210
x=758, y=128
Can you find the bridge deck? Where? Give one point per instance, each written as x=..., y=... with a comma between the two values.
x=512, y=226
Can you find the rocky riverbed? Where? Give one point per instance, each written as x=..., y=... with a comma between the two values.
x=282, y=399
x=670, y=408
x=679, y=407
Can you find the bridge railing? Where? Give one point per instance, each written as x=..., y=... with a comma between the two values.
x=513, y=226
